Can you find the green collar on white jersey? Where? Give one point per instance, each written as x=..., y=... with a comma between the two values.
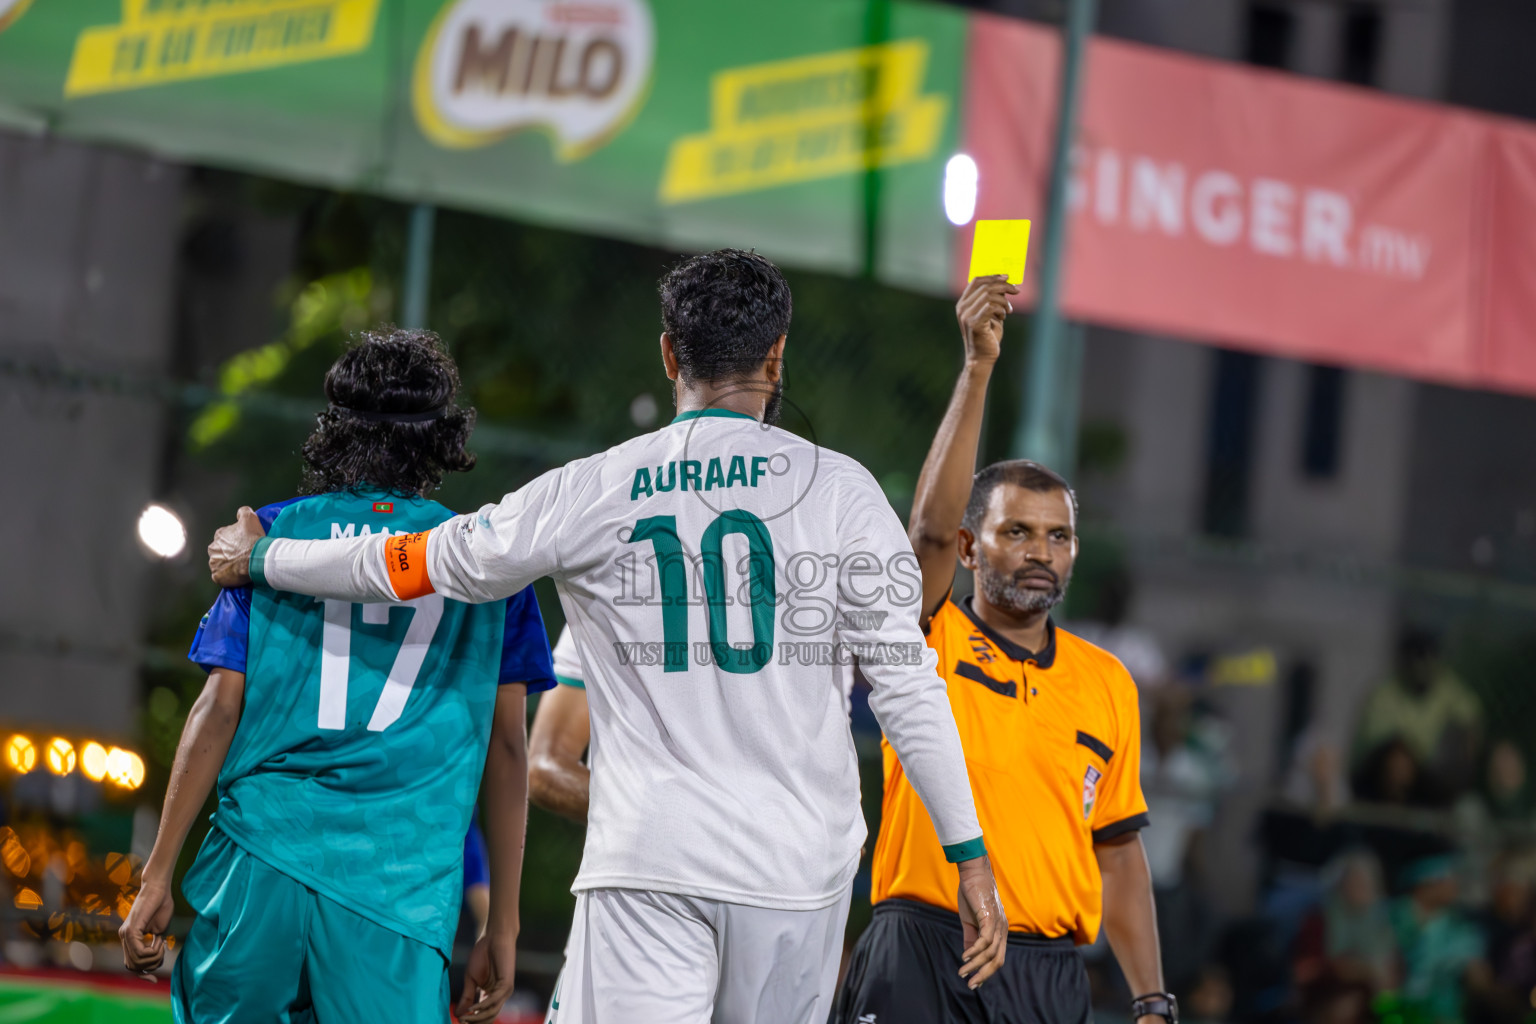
x=696, y=413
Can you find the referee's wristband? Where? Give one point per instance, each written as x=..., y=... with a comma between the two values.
x=968, y=850
x=258, y=559
x=1156, y=1004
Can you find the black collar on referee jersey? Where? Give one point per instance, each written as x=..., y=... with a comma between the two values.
x=1045, y=659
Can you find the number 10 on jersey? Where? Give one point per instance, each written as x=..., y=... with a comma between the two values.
x=672, y=567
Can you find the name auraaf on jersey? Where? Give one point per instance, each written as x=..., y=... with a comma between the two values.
x=700, y=475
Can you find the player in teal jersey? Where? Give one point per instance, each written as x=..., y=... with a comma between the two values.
x=348, y=742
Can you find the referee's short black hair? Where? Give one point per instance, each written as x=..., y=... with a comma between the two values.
x=1020, y=473
x=724, y=310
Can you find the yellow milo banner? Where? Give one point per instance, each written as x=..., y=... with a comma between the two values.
x=806, y=118
x=171, y=40
x=814, y=130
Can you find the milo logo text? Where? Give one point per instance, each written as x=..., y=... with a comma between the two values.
x=576, y=70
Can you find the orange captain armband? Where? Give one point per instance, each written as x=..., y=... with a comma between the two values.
x=406, y=559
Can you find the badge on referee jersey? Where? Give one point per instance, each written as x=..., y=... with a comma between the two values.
x=1090, y=790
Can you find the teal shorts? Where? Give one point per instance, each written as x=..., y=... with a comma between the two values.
x=266, y=949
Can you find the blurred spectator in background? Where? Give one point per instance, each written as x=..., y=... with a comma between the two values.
x=1510, y=941
x=1136, y=646
x=1338, y=1002
x=1506, y=793
x=1391, y=774
x=1183, y=771
x=1209, y=1000
x=1443, y=952
x=1347, y=943
x=1315, y=779
x=1487, y=817
x=1430, y=711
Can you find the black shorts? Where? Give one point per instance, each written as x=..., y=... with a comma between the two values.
x=906, y=970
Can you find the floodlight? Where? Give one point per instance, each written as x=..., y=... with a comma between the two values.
x=960, y=178
x=162, y=531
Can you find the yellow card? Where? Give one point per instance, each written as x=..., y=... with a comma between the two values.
x=999, y=247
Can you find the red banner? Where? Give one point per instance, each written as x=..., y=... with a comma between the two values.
x=1510, y=328
x=1259, y=210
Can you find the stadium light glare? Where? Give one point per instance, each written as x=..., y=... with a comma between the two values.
x=162, y=531
x=20, y=754
x=93, y=761
x=125, y=768
x=117, y=765
x=60, y=756
x=960, y=178
x=135, y=774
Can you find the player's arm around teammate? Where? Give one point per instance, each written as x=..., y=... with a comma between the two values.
x=489, y=978
x=205, y=741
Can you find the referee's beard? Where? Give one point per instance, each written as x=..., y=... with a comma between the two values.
x=1007, y=590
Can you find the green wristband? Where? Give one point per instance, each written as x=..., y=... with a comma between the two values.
x=968, y=850
x=258, y=558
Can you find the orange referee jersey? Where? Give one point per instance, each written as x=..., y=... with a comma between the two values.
x=1053, y=744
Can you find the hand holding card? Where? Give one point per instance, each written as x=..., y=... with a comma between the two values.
x=1000, y=247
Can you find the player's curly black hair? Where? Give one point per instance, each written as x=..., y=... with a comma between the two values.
x=389, y=370
x=724, y=310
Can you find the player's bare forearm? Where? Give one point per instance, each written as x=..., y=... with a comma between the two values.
x=490, y=974
x=557, y=780
x=944, y=486
x=1130, y=916
x=505, y=789
x=205, y=741
x=200, y=754
x=560, y=787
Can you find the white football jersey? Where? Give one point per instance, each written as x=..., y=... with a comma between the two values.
x=720, y=578
x=567, y=659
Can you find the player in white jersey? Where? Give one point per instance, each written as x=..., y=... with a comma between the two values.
x=721, y=577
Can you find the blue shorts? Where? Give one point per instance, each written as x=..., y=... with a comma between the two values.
x=266, y=949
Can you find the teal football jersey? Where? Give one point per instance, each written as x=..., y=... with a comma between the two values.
x=360, y=748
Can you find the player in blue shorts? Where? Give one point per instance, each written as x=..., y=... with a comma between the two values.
x=348, y=742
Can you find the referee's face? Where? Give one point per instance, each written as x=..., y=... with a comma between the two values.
x=1024, y=552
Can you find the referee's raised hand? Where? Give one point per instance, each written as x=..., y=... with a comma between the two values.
x=984, y=924
x=982, y=309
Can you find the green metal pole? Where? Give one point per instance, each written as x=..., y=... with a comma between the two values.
x=1069, y=398
x=877, y=30
x=1039, y=435
x=418, y=266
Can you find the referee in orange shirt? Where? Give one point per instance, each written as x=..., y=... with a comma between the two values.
x=1052, y=737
